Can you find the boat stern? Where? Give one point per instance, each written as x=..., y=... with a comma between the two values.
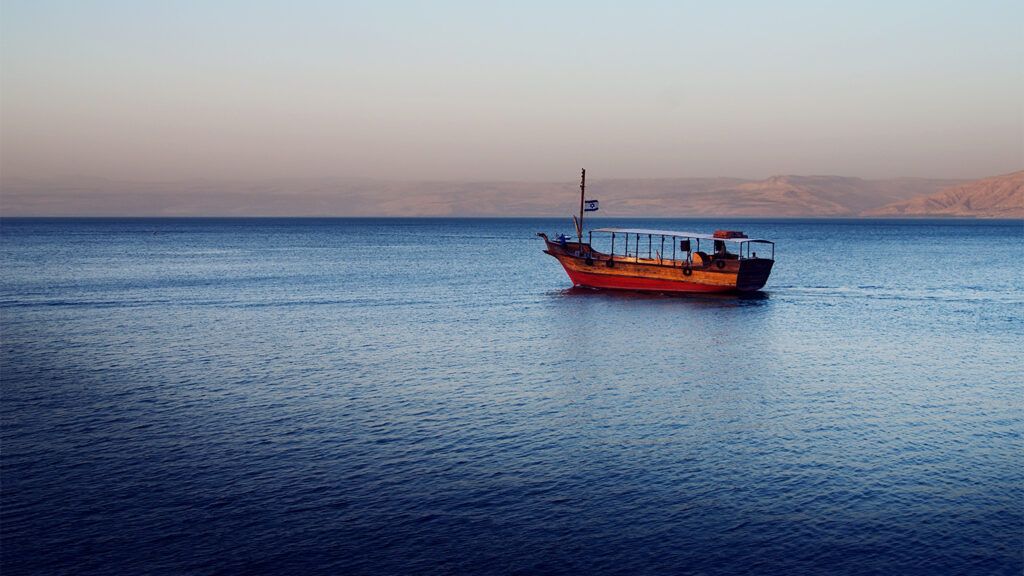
x=753, y=274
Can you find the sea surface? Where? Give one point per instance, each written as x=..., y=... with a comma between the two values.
x=427, y=396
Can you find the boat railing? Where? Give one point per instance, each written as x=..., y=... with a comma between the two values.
x=680, y=249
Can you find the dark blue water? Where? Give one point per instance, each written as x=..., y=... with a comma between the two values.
x=429, y=396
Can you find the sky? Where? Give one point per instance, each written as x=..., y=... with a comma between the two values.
x=528, y=90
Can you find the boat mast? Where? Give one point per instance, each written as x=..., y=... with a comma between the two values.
x=583, y=184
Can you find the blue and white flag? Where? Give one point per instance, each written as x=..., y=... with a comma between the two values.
x=590, y=206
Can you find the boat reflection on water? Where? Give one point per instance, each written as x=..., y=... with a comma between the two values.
x=716, y=299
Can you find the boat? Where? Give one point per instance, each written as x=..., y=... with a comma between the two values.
x=637, y=258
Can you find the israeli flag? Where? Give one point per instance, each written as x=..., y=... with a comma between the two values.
x=590, y=206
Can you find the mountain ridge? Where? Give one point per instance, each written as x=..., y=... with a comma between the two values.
x=787, y=195
x=993, y=197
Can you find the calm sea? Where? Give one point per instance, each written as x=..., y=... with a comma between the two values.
x=405, y=396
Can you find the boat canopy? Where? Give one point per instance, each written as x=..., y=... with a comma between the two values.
x=678, y=234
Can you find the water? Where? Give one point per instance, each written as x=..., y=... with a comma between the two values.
x=424, y=396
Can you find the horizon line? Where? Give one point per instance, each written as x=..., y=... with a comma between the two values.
x=456, y=217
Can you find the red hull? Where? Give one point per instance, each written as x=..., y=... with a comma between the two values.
x=634, y=283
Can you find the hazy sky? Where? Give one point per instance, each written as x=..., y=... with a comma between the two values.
x=526, y=90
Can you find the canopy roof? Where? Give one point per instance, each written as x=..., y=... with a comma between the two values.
x=678, y=234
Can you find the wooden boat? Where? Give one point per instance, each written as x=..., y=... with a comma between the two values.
x=646, y=264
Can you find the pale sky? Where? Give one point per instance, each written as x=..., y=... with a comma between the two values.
x=528, y=90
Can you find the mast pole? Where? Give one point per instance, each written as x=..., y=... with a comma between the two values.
x=583, y=184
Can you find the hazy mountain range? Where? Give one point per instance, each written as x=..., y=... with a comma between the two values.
x=785, y=196
x=996, y=197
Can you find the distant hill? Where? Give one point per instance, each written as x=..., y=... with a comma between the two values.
x=995, y=197
x=775, y=196
x=788, y=196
